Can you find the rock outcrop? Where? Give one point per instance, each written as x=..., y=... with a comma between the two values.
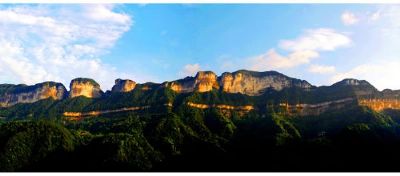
x=381, y=104
x=360, y=88
x=221, y=106
x=96, y=113
x=204, y=81
x=147, y=86
x=246, y=82
x=14, y=94
x=254, y=83
x=388, y=94
x=352, y=82
x=317, y=108
x=123, y=85
x=84, y=87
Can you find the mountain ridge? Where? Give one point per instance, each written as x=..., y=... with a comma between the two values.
x=255, y=88
x=132, y=122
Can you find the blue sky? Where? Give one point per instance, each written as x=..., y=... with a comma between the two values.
x=319, y=43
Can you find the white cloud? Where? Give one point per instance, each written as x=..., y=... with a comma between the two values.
x=190, y=70
x=104, y=13
x=349, y=18
x=321, y=39
x=375, y=16
x=321, y=69
x=42, y=43
x=382, y=75
x=389, y=24
x=273, y=60
x=302, y=50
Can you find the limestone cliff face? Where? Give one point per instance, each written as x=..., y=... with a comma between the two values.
x=225, y=110
x=147, y=86
x=352, y=82
x=242, y=81
x=389, y=94
x=84, y=87
x=360, y=88
x=318, y=108
x=182, y=86
x=254, y=83
x=123, y=85
x=204, y=81
x=380, y=104
x=15, y=94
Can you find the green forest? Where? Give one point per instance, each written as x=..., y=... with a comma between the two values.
x=37, y=137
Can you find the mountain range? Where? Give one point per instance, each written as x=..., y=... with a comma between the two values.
x=258, y=88
x=239, y=121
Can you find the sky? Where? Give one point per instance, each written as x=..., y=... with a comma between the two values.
x=320, y=43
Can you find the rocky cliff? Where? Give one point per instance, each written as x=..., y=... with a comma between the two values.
x=254, y=83
x=317, y=108
x=123, y=85
x=14, y=94
x=84, y=87
x=353, y=82
x=388, y=94
x=381, y=104
x=204, y=81
x=360, y=88
x=246, y=82
x=242, y=81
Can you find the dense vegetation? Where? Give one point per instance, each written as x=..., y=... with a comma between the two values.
x=36, y=137
x=203, y=140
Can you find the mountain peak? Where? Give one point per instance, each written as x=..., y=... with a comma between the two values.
x=199, y=73
x=252, y=83
x=258, y=73
x=353, y=82
x=14, y=94
x=85, y=87
x=85, y=80
x=123, y=85
x=361, y=88
x=204, y=81
x=255, y=83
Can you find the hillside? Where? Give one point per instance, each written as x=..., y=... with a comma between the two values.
x=240, y=121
